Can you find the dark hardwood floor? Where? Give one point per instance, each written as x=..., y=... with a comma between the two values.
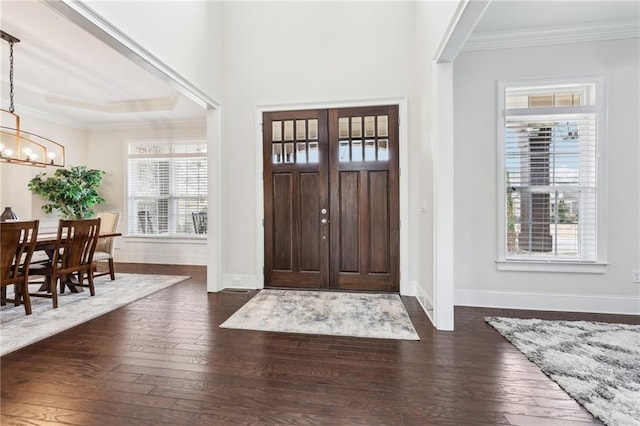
x=164, y=360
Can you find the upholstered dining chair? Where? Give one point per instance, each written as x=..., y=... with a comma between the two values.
x=17, y=242
x=73, y=254
x=109, y=222
x=199, y=222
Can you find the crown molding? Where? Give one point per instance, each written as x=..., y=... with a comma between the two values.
x=176, y=124
x=115, y=107
x=27, y=112
x=552, y=35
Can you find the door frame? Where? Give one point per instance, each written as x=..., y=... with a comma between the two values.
x=407, y=288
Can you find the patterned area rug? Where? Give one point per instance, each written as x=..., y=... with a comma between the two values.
x=597, y=364
x=380, y=316
x=18, y=330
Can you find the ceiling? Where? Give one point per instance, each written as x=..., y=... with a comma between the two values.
x=518, y=15
x=64, y=73
x=520, y=23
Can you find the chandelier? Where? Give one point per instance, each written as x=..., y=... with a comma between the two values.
x=18, y=146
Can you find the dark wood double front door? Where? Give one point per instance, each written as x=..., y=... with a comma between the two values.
x=331, y=198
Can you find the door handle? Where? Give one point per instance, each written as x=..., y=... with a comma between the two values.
x=324, y=221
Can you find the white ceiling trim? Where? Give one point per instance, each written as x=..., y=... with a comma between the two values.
x=88, y=19
x=461, y=27
x=172, y=125
x=552, y=35
x=27, y=111
x=115, y=107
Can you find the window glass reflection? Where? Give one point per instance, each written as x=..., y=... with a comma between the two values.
x=301, y=132
x=369, y=126
x=370, y=150
x=343, y=127
x=277, y=153
x=288, y=130
x=313, y=152
x=288, y=152
x=344, y=151
x=383, y=125
x=276, y=131
x=383, y=150
x=301, y=152
x=356, y=127
x=356, y=151
x=313, y=129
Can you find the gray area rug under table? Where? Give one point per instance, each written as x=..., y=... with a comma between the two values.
x=18, y=330
x=380, y=316
x=597, y=364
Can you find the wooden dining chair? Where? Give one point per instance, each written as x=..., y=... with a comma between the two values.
x=73, y=254
x=17, y=242
x=105, y=248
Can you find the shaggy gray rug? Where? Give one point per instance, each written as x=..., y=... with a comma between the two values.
x=380, y=316
x=18, y=330
x=597, y=364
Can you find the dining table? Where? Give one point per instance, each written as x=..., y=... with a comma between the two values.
x=46, y=242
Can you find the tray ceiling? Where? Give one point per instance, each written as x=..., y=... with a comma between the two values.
x=65, y=74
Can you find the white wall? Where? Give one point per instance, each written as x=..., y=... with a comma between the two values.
x=104, y=150
x=432, y=22
x=184, y=35
x=299, y=53
x=15, y=178
x=304, y=53
x=108, y=148
x=477, y=280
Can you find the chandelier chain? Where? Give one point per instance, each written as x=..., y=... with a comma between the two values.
x=11, y=105
x=39, y=151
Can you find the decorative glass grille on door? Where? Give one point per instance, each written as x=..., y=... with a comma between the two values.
x=295, y=141
x=364, y=138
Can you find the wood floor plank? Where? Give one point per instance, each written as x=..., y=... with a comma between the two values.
x=74, y=381
x=164, y=359
x=120, y=410
x=519, y=420
x=67, y=417
x=22, y=421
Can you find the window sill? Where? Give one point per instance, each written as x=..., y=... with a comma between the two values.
x=552, y=266
x=173, y=239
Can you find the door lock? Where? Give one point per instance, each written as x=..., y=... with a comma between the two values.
x=323, y=211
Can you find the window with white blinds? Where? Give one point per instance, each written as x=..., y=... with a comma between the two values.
x=550, y=179
x=167, y=188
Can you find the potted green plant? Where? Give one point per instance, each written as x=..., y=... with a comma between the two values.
x=72, y=192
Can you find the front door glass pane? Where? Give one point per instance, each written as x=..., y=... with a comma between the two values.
x=276, y=131
x=356, y=151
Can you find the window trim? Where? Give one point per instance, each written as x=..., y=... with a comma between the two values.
x=549, y=265
x=159, y=238
x=174, y=239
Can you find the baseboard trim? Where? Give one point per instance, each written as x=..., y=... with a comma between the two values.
x=549, y=302
x=137, y=257
x=408, y=288
x=240, y=281
x=425, y=301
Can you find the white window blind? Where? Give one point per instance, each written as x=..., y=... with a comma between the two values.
x=167, y=189
x=550, y=152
